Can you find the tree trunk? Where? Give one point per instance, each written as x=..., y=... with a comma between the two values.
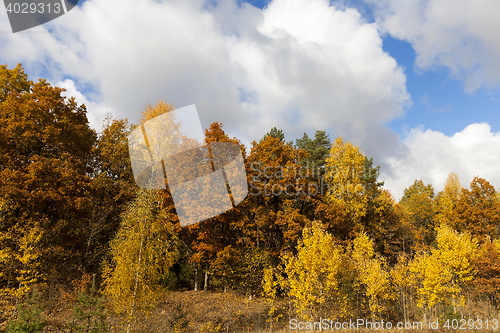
x=425, y=315
x=196, y=278
x=135, y=287
x=205, y=287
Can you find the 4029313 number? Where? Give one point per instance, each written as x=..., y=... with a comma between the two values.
x=32, y=8
x=471, y=324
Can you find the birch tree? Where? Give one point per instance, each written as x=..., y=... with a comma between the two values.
x=314, y=274
x=142, y=253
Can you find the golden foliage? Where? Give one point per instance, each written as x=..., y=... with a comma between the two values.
x=313, y=274
x=345, y=171
x=373, y=274
x=142, y=252
x=442, y=273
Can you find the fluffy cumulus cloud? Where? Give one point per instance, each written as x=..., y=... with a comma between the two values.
x=431, y=155
x=461, y=35
x=309, y=65
x=300, y=65
x=133, y=53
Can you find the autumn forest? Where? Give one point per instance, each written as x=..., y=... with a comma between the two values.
x=317, y=236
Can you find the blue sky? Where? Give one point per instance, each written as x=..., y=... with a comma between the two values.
x=439, y=101
x=414, y=84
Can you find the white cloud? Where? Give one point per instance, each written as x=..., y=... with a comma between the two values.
x=99, y=110
x=462, y=35
x=300, y=65
x=309, y=66
x=431, y=155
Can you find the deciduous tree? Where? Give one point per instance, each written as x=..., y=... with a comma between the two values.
x=111, y=188
x=314, y=274
x=446, y=201
x=142, y=253
x=443, y=273
x=346, y=187
x=486, y=265
x=418, y=204
x=374, y=278
x=45, y=167
x=275, y=185
x=479, y=210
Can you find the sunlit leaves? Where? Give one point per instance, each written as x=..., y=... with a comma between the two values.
x=313, y=275
x=445, y=271
x=446, y=201
x=373, y=274
x=13, y=81
x=345, y=172
x=142, y=252
x=277, y=184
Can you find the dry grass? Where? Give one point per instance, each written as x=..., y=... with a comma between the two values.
x=203, y=311
x=208, y=312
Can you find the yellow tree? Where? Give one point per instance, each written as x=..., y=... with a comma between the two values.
x=432, y=280
x=28, y=255
x=456, y=251
x=142, y=253
x=20, y=264
x=345, y=181
x=404, y=283
x=314, y=274
x=452, y=187
x=6, y=253
x=444, y=272
x=446, y=201
x=272, y=281
x=374, y=278
x=153, y=111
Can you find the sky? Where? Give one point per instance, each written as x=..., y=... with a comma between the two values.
x=414, y=84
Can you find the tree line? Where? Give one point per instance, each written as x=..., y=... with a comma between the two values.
x=317, y=226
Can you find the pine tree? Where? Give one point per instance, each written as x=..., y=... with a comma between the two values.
x=275, y=133
x=89, y=312
x=315, y=163
x=30, y=317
